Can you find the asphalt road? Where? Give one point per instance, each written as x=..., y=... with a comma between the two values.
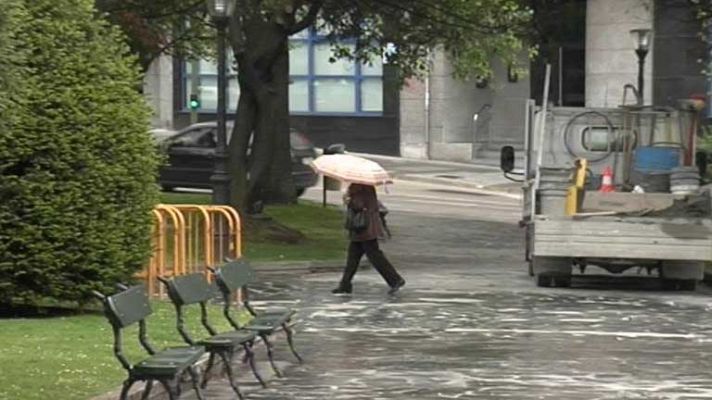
x=471, y=324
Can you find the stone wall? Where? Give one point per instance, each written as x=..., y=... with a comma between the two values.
x=448, y=130
x=611, y=61
x=158, y=90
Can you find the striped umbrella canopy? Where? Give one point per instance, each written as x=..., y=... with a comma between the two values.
x=352, y=169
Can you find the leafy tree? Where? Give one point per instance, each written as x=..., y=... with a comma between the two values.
x=471, y=32
x=77, y=164
x=157, y=27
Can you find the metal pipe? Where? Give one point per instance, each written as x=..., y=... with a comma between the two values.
x=561, y=76
x=641, y=72
x=427, y=107
x=220, y=178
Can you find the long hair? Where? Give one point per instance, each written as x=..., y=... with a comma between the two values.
x=355, y=188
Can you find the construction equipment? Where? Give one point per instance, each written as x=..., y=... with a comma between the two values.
x=574, y=196
x=569, y=222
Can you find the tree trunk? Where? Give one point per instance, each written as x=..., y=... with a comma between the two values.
x=262, y=128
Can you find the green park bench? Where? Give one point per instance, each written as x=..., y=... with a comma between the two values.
x=193, y=289
x=131, y=306
x=236, y=275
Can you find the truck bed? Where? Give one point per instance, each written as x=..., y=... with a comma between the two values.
x=624, y=238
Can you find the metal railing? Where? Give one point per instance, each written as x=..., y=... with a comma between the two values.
x=189, y=238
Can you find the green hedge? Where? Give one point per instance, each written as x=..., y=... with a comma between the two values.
x=77, y=164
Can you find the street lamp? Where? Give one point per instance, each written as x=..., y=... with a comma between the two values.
x=642, y=38
x=220, y=11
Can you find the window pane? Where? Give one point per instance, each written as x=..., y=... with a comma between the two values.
x=322, y=66
x=303, y=34
x=375, y=69
x=207, y=92
x=298, y=58
x=372, y=95
x=208, y=67
x=189, y=67
x=334, y=95
x=299, y=95
x=233, y=93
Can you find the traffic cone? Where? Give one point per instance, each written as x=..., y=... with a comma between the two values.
x=607, y=181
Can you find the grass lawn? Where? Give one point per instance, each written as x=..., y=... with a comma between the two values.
x=71, y=357
x=323, y=228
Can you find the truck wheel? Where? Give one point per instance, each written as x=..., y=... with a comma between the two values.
x=680, y=284
x=562, y=281
x=688, y=285
x=552, y=271
x=543, y=280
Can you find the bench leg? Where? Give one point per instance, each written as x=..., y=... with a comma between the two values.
x=195, y=379
x=147, y=390
x=290, y=340
x=230, y=376
x=206, y=374
x=172, y=395
x=270, y=356
x=250, y=357
x=125, y=388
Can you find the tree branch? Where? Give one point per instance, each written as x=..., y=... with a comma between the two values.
x=308, y=19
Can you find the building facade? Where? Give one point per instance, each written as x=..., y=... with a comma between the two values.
x=587, y=43
x=330, y=102
x=592, y=56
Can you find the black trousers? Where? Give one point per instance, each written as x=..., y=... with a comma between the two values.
x=375, y=256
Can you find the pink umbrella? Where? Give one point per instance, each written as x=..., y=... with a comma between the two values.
x=348, y=168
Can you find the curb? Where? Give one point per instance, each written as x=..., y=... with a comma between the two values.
x=298, y=266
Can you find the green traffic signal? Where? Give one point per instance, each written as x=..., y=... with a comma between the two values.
x=194, y=102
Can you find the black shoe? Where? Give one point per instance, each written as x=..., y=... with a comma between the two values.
x=341, y=290
x=395, y=288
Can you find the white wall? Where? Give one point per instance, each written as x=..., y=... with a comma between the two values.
x=610, y=50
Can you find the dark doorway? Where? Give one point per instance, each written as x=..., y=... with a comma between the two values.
x=559, y=29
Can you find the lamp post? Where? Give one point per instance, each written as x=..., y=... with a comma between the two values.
x=642, y=39
x=220, y=11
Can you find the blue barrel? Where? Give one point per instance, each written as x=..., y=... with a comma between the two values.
x=656, y=159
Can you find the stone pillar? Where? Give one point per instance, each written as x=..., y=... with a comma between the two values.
x=158, y=90
x=413, y=141
x=610, y=50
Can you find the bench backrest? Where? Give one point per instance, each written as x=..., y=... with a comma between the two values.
x=190, y=289
x=235, y=275
x=128, y=307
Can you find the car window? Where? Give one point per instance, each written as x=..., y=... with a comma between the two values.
x=202, y=137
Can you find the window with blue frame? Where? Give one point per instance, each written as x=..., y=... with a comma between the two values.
x=318, y=86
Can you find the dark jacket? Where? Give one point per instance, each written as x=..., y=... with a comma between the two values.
x=364, y=197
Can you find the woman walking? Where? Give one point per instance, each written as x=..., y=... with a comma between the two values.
x=364, y=239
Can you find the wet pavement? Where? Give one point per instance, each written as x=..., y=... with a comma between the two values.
x=470, y=324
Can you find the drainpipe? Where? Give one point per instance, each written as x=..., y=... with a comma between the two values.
x=709, y=77
x=427, y=107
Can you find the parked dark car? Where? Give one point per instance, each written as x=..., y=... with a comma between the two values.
x=191, y=154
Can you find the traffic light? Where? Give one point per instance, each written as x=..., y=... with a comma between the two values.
x=194, y=102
